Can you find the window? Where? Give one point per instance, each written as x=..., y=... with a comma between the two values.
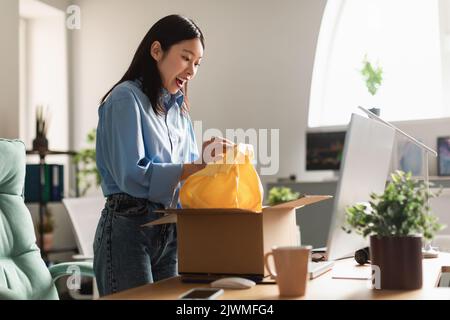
x=402, y=36
x=43, y=65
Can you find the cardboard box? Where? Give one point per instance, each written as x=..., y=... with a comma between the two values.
x=233, y=241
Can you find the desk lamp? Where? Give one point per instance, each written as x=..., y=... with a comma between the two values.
x=428, y=251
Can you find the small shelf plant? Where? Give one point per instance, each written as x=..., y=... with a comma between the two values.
x=372, y=74
x=40, y=142
x=373, y=77
x=279, y=195
x=88, y=173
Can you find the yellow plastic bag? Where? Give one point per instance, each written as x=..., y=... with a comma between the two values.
x=230, y=183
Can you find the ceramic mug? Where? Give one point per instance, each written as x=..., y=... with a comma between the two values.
x=291, y=269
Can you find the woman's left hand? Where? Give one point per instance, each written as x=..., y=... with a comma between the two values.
x=212, y=150
x=215, y=148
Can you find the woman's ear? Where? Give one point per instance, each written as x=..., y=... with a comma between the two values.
x=156, y=51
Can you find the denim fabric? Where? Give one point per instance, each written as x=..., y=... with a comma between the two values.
x=127, y=255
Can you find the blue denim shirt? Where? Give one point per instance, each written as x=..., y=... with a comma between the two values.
x=139, y=152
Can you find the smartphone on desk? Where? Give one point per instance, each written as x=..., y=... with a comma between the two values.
x=202, y=294
x=444, y=278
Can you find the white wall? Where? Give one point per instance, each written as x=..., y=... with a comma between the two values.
x=47, y=78
x=11, y=125
x=428, y=131
x=256, y=71
x=23, y=75
x=444, y=7
x=43, y=66
x=9, y=66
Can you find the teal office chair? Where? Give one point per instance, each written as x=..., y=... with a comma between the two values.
x=23, y=273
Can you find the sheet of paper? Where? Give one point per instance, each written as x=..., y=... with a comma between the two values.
x=351, y=272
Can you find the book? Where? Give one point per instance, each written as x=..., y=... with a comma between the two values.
x=51, y=183
x=57, y=186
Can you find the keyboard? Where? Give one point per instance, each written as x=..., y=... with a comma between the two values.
x=316, y=269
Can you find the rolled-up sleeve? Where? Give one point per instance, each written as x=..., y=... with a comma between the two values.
x=131, y=169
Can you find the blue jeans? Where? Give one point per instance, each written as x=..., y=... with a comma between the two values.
x=127, y=255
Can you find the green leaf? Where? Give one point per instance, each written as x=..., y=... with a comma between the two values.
x=85, y=161
x=282, y=194
x=400, y=210
x=373, y=76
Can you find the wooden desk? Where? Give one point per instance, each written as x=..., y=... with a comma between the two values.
x=323, y=287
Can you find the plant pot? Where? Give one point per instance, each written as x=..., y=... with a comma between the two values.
x=375, y=110
x=399, y=260
x=40, y=143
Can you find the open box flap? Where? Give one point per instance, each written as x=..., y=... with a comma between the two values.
x=170, y=218
x=205, y=211
x=171, y=214
x=295, y=204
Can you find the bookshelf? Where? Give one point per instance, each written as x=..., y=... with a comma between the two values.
x=43, y=154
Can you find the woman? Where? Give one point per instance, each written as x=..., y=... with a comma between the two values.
x=145, y=148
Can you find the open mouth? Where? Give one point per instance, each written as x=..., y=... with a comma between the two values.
x=179, y=82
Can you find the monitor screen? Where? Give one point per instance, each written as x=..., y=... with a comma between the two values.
x=365, y=169
x=324, y=150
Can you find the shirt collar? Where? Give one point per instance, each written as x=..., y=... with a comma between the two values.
x=169, y=99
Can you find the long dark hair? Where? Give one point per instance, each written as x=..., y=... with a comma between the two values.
x=168, y=31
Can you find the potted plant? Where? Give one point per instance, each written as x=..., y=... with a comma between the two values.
x=282, y=194
x=373, y=76
x=40, y=143
x=396, y=221
x=87, y=167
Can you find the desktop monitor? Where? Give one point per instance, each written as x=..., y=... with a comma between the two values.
x=364, y=169
x=324, y=150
